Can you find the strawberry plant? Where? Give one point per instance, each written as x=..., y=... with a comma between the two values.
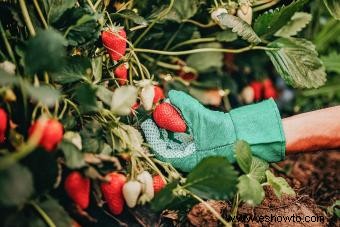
x=77, y=79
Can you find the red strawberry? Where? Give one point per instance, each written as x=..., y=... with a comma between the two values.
x=114, y=40
x=158, y=183
x=167, y=117
x=135, y=106
x=113, y=192
x=159, y=94
x=258, y=88
x=77, y=188
x=52, y=133
x=121, y=73
x=190, y=76
x=3, y=124
x=269, y=89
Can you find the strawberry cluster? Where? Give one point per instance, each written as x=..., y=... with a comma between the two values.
x=116, y=191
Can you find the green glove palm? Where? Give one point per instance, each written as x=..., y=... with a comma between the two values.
x=213, y=133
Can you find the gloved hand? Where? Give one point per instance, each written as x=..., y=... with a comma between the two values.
x=213, y=133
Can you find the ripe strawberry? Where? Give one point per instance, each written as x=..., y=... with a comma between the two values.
x=114, y=40
x=3, y=124
x=121, y=73
x=269, y=89
x=258, y=88
x=159, y=94
x=167, y=117
x=135, y=106
x=113, y=192
x=158, y=183
x=52, y=133
x=77, y=188
x=190, y=76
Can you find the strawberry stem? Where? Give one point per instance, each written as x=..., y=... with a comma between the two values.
x=162, y=14
x=210, y=208
x=43, y=214
x=26, y=16
x=202, y=50
x=169, y=66
x=199, y=24
x=37, y=7
x=193, y=41
x=7, y=45
x=265, y=6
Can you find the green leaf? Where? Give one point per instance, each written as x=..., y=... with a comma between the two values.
x=204, y=62
x=243, y=155
x=29, y=216
x=182, y=10
x=74, y=158
x=130, y=15
x=85, y=95
x=271, y=21
x=55, y=212
x=54, y=9
x=225, y=36
x=239, y=26
x=327, y=36
x=333, y=7
x=250, y=190
x=296, y=60
x=104, y=95
x=298, y=21
x=279, y=185
x=44, y=94
x=8, y=79
x=164, y=198
x=74, y=70
x=212, y=178
x=45, y=52
x=122, y=99
x=332, y=62
x=80, y=26
x=334, y=209
x=135, y=138
x=16, y=185
x=258, y=169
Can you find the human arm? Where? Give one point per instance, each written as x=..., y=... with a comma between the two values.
x=312, y=131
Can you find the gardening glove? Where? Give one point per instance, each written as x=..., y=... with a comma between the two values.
x=213, y=133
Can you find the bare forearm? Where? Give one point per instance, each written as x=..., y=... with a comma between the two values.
x=313, y=131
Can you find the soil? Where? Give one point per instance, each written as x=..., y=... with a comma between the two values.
x=314, y=177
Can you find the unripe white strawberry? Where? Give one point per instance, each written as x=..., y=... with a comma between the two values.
x=147, y=95
x=8, y=67
x=247, y=95
x=146, y=180
x=131, y=192
x=216, y=13
x=245, y=13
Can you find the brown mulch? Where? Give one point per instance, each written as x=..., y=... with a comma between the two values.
x=316, y=179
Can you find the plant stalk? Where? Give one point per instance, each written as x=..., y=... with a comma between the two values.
x=27, y=18
x=43, y=214
x=201, y=50
x=210, y=208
